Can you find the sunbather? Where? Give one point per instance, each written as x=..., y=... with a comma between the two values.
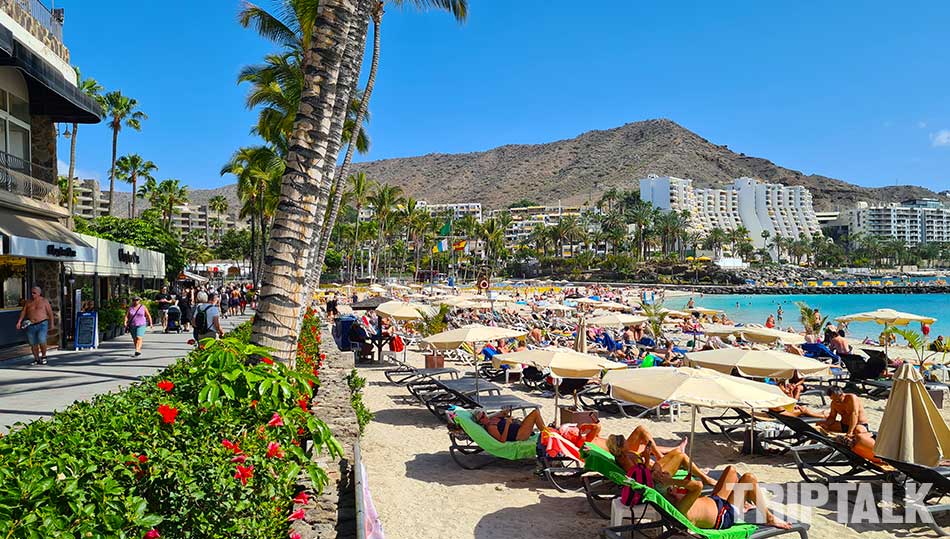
x=505, y=429
x=717, y=511
x=853, y=423
x=641, y=448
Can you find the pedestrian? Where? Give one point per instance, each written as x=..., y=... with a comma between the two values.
x=164, y=299
x=185, y=305
x=37, y=319
x=137, y=320
x=207, y=318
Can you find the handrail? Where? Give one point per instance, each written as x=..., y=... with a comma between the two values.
x=44, y=16
x=17, y=182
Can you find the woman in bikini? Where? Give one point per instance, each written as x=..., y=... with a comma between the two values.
x=505, y=429
x=717, y=511
x=664, y=462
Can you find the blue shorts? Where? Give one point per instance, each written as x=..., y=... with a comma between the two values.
x=139, y=332
x=37, y=333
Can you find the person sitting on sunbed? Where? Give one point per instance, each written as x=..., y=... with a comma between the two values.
x=505, y=429
x=718, y=510
x=664, y=462
x=793, y=387
x=853, y=423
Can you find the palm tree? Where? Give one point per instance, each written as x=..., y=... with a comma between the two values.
x=130, y=168
x=458, y=8
x=91, y=88
x=642, y=216
x=656, y=317
x=809, y=320
x=219, y=205
x=121, y=110
x=715, y=240
x=384, y=200
x=360, y=189
x=169, y=195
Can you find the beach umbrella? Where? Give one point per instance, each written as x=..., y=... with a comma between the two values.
x=887, y=318
x=912, y=429
x=548, y=306
x=377, y=289
x=769, y=335
x=757, y=363
x=612, y=306
x=562, y=362
x=580, y=341
x=696, y=387
x=400, y=310
x=454, y=300
x=702, y=310
x=616, y=320
x=471, y=334
x=369, y=304
x=672, y=313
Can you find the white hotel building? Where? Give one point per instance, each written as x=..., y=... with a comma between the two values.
x=912, y=221
x=781, y=210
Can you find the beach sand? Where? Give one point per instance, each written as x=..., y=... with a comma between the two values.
x=420, y=492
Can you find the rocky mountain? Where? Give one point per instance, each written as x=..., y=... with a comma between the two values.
x=196, y=197
x=571, y=171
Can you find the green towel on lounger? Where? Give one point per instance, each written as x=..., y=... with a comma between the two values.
x=527, y=449
x=602, y=462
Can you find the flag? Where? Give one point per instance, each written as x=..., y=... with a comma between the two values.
x=441, y=246
x=446, y=229
x=459, y=245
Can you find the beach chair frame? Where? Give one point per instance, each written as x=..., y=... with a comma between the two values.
x=939, y=481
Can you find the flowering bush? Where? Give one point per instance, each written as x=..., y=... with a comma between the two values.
x=309, y=358
x=211, y=447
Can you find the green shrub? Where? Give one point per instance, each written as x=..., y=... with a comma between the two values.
x=356, y=384
x=168, y=454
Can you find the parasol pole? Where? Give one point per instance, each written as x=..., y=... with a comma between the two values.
x=557, y=411
x=475, y=363
x=692, y=435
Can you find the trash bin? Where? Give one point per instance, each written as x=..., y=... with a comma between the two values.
x=341, y=332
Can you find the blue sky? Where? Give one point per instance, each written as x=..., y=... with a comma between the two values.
x=856, y=91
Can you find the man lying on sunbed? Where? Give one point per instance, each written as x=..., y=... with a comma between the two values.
x=505, y=429
x=717, y=511
x=853, y=423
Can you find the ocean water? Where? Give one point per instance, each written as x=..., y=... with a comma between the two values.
x=756, y=308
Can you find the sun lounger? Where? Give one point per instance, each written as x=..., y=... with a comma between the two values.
x=822, y=459
x=735, y=422
x=864, y=377
x=404, y=373
x=671, y=522
x=817, y=350
x=595, y=397
x=939, y=481
x=469, y=439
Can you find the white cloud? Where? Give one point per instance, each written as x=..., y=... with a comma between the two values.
x=81, y=173
x=921, y=125
x=940, y=138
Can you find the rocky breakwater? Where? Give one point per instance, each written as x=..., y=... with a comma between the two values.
x=788, y=290
x=332, y=513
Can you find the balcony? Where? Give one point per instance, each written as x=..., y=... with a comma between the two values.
x=27, y=179
x=52, y=22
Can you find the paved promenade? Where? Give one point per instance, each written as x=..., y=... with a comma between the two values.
x=29, y=392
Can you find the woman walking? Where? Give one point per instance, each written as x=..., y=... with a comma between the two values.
x=137, y=319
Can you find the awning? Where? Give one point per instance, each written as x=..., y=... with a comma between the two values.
x=115, y=259
x=50, y=93
x=32, y=237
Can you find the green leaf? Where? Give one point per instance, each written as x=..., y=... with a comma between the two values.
x=228, y=390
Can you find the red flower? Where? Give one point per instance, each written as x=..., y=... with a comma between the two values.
x=304, y=403
x=274, y=450
x=143, y=459
x=167, y=412
x=239, y=459
x=233, y=446
x=191, y=342
x=275, y=421
x=166, y=386
x=323, y=357
x=151, y=534
x=301, y=498
x=244, y=473
x=294, y=535
x=267, y=360
x=254, y=403
x=296, y=515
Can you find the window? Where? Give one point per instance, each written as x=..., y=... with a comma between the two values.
x=19, y=144
x=20, y=109
x=13, y=279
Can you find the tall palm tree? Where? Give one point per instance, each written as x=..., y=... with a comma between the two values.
x=131, y=168
x=458, y=8
x=169, y=195
x=90, y=87
x=285, y=267
x=642, y=216
x=219, y=205
x=121, y=110
x=360, y=189
x=384, y=200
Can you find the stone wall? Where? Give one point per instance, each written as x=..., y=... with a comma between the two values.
x=43, y=148
x=46, y=276
x=332, y=514
x=15, y=10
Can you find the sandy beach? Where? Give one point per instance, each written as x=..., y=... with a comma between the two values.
x=420, y=492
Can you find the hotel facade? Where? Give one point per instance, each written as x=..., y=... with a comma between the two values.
x=780, y=210
x=912, y=221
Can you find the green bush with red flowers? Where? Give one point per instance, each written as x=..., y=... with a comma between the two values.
x=211, y=447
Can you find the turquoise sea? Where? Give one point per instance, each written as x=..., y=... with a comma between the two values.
x=756, y=308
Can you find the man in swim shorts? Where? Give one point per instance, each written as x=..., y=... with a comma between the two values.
x=36, y=318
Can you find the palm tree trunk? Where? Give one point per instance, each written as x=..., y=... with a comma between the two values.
x=356, y=245
x=285, y=265
x=72, y=172
x=345, y=89
x=254, y=276
x=341, y=174
x=115, y=142
x=134, y=186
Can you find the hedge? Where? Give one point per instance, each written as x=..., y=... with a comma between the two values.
x=210, y=447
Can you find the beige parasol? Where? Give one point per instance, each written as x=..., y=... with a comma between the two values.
x=696, y=387
x=672, y=313
x=769, y=335
x=912, y=429
x=580, y=340
x=472, y=334
x=400, y=310
x=702, y=310
x=612, y=306
x=616, y=320
x=887, y=318
x=757, y=363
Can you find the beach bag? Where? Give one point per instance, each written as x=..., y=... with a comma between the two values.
x=396, y=344
x=641, y=474
x=201, y=320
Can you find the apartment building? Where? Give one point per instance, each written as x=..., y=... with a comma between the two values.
x=198, y=218
x=524, y=220
x=91, y=202
x=455, y=210
x=911, y=221
x=759, y=207
x=38, y=89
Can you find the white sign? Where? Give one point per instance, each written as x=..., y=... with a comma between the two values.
x=50, y=250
